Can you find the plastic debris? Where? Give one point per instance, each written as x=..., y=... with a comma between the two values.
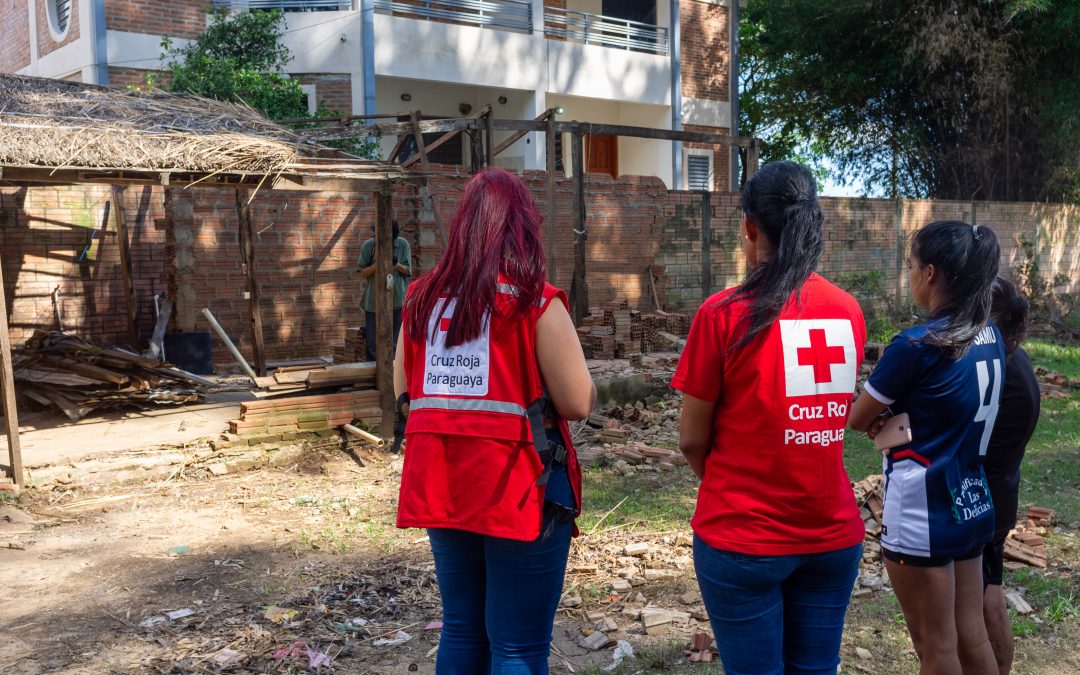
x=623, y=650
x=176, y=551
x=400, y=638
x=279, y=614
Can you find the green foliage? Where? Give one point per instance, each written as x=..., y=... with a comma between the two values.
x=239, y=58
x=921, y=98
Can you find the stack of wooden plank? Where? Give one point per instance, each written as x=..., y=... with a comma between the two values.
x=301, y=414
x=352, y=349
x=295, y=379
x=78, y=376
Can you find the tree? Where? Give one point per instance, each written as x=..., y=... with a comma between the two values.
x=962, y=99
x=240, y=57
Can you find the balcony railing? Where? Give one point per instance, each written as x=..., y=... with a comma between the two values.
x=514, y=15
x=287, y=5
x=608, y=31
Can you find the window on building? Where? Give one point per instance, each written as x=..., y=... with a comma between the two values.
x=310, y=101
x=59, y=15
x=698, y=169
x=631, y=10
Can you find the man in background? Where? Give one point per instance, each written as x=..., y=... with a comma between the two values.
x=401, y=271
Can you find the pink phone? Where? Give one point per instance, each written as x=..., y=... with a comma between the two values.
x=897, y=431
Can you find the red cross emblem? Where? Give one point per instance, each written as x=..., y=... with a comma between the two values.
x=820, y=355
x=444, y=324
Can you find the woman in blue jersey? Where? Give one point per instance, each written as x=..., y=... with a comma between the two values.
x=947, y=375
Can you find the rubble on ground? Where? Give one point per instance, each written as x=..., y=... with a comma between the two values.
x=78, y=376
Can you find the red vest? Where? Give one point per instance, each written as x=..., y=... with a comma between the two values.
x=470, y=462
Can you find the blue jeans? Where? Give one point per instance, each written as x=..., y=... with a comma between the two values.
x=369, y=332
x=777, y=614
x=499, y=595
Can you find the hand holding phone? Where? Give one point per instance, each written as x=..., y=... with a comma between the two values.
x=895, y=432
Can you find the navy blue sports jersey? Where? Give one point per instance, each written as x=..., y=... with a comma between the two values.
x=936, y=498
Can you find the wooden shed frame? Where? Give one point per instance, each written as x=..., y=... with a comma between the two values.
x=290, y=163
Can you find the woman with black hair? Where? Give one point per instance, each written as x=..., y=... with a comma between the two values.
x=768, y=374
x=947, y=375
x=1016, y=420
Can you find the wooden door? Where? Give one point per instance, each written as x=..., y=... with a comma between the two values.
x=602, y=154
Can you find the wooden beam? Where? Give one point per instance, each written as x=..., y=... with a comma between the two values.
x=7, y=383
x=419, y=138
x=247, y=252
x=579, y=288
x=489, y=132
x=384, y=309
x=751, y=160
x=549, y=136
x=125, y=265
x=452, y=128
x=519, y=134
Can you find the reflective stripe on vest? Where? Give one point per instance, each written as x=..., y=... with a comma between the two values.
x=510, y=289
x=468, y=404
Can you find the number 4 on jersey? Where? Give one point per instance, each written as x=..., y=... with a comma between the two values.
x=987, y=411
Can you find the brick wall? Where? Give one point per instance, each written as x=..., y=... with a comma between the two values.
x=704, y=50
x=45, y=41
x=15, y=27
x=136, y=77
x=307, y=245
x=332, y=90
x=175, y=18
x=864, y=236
x=55, y=237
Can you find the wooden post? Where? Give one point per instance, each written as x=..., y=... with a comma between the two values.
x=247, y=253
x=549, y=134
x=125, y=265
x=384, y=309
x=579, y=288
x=414, y=115
x=706, y=245
x=901, y=258
x=751, y=160
x=489, y=147
x=7, y=381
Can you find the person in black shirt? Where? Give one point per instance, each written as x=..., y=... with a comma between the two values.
x=1016, y=419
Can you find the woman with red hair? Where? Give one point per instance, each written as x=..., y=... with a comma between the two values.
x=491, y=369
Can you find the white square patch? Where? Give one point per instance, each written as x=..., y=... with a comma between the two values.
x=819, y=356
x=458, y=371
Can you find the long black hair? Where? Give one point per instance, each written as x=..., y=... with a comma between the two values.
x=967, y=258
x=1009, y=310
x=781, y=200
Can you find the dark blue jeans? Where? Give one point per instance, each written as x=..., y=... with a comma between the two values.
x=499, y=595
x=777, y=614
x=369, y=332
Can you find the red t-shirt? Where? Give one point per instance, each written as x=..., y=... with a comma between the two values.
x=775, y=482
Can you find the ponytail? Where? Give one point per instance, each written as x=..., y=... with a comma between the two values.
x=967, y=257
x=1009, y=311
x=781, y=200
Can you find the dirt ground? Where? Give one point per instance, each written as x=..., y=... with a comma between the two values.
x=298, y=567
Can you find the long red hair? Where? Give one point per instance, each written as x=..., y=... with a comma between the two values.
x=496, y=229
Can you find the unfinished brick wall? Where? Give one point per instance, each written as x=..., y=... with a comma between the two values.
x=45, y=42
x=307, y=245
x=175, y=18
x=15, y=27
x=721, y=155
x=57, y=237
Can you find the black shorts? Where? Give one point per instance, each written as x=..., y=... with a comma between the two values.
x=927, y=561
x=994, y=561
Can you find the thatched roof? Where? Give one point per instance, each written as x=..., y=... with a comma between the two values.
x=55, y=124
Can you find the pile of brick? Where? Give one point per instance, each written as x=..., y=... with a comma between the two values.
x=614, y=331
x=301, y=414
x=352, y=350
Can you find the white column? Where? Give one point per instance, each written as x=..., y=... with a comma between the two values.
x=536, y=149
